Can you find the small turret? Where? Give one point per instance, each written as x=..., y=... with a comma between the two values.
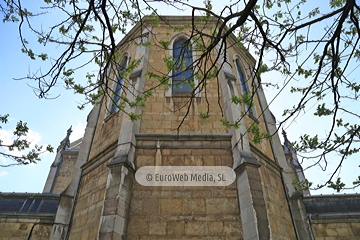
x=65, y=143
x=55, y=166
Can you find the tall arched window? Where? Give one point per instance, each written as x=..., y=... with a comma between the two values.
x=243, y=85
x=119, y=83
x=182, y=72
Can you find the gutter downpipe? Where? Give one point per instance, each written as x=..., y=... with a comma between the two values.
x=276, y=160
x=311, y=228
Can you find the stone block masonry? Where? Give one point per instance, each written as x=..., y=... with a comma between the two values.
x=24, y=231
x=346, y=229
x=89, y=204
x=184, y=212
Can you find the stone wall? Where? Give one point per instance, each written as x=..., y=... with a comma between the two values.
x=108, y=125
x=162, y=113
x=158, y=116
x=64, y=177
x=89, y=203
x=277, y=207
x=274, y=195
x=24, y=231
x=184, y=212
x=341, y=230
x=257, y=117
x=107, y=132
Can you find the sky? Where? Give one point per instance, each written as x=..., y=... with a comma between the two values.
x=50, y=119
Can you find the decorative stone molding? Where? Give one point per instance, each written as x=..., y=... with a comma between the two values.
x=122, y=161
x=183, y=141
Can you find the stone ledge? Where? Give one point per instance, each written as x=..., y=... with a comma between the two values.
x=183, y=141
x=229, y=75
x=27, y=217
x=332, y=196
x=335, y=218
x=29, y=195
x=70, y=152
x=122, y=160
x=246, y=159
x=184, y=136
x=188, y=217
x=136, y=74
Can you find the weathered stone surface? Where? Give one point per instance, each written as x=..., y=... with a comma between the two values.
x=194, y=206
x=196, y=228
x=221, y=205
x=157, y=228
x=232, y=228
x=343, y=229
x=186, y=211
x=151, y=206
x=276, y=204
x=175, y=227
x=138, y=226
x=21, y=231
x=171, y=206
x=90, y=203
x=215, y=227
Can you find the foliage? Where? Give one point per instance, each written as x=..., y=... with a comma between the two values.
x=314, y=48
x=302, y=185
x=20, y=143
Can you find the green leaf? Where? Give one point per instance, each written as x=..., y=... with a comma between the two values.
x=204, y=115
x=338, y=185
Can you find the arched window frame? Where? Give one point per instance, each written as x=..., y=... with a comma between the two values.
x=117, y=86
x=173, y=39
x=244, y=83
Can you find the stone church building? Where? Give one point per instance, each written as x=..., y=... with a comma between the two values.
x=92, y=193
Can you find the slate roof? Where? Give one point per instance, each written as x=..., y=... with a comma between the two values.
x=333, y=204
x=21, y=203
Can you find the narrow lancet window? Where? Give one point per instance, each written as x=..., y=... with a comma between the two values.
x=244, y=88
x=182, y=72
x=119, y=84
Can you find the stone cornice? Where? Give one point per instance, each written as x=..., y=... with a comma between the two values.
x=69, y=152
x=183, y=141
x=30, y=195
x=335, y=217
x=27, y=217
x=330, y=196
